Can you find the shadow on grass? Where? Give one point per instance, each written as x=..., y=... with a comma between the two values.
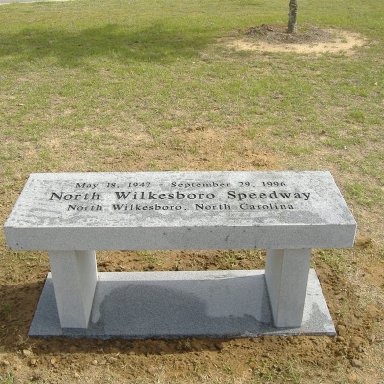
x=158, y=43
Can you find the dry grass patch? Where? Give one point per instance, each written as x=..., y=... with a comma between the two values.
x=311, y=40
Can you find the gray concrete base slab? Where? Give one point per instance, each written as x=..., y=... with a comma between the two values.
x=216, y=304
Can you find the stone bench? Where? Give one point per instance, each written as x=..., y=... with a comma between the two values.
x=71, y=215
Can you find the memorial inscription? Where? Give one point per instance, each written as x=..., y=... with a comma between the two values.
x=223, y=199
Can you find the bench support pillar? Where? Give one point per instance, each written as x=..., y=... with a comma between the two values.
x=286, y=274
x=74, y=275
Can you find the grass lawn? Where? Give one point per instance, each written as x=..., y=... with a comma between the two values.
x=136, y=85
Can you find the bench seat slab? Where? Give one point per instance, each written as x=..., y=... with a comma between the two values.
x=180, y=210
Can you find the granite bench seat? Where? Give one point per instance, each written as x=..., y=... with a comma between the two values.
x=71, y=215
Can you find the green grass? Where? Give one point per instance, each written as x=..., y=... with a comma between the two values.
x=7, y=378
x=115, y=85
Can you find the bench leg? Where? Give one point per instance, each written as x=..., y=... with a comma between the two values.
x=74, y=275
x=286, y=274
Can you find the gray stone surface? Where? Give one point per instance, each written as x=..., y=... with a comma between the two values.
x=74, y=276
x=180, y=210
x=182, y=304
x=286, y=276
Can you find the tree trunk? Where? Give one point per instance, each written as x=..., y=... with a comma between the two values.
x=292, y=16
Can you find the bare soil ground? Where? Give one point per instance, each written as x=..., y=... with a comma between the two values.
x=309, y=40
x=264, y=359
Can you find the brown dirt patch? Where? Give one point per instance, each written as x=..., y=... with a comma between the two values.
x=308, y=40
x=263, y=359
